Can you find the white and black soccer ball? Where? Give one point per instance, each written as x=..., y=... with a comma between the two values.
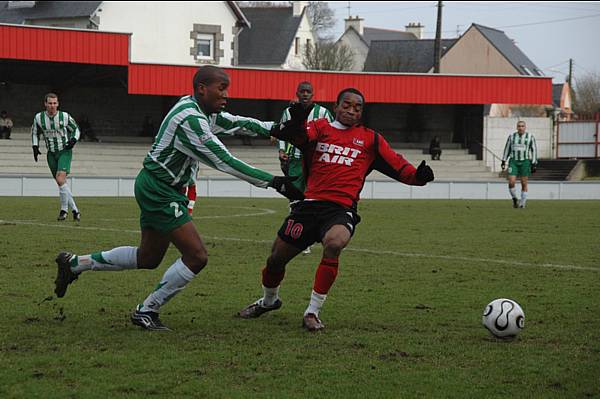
x=504, y=318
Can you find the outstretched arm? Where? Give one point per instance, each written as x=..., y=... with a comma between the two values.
x=225, y=121
x=393, y=165
x=200, y=144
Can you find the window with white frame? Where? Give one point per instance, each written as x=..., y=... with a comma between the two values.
x=205, y=46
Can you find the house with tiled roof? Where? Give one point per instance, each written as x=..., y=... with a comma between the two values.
x=488, y=51
x=184, y=33
x=562, y=101
x=403, y=55
x=358, y=38
x=278, y=37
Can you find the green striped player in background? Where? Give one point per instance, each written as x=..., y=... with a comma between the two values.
x=186, y=137
x=521, y=152
x=60, y=133
x=290, y=157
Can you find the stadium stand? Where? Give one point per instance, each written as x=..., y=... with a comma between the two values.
x=123, y=158
x=554, y=169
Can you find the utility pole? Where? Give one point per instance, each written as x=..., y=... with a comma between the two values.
x=348, y=9
x=570, y=76
x=437, y=49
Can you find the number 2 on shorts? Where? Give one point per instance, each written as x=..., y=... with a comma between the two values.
x=177, y=211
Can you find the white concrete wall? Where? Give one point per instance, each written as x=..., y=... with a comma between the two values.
x=497, y=130
x=293, y=60
x=359, y=48
x=374, y=189
x=161, y=30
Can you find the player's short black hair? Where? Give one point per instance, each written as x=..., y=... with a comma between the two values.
x=305, y=82
x=208, y=74
x=349, y=90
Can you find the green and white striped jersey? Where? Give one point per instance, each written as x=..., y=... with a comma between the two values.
x=520, y=147
x=57, y=130
x=188, y=136
x=317, y=112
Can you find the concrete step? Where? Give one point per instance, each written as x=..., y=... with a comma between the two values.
x=124, y=159
x=93, y=150
x=131, y=171
x=111, y=162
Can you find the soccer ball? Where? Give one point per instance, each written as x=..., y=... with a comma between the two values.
x=504, y=318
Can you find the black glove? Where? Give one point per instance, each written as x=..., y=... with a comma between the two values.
x=36, y=152
x=71, y=143
x=293, y=129
x=503, y=165
x=298, y=114
x=424, y=173
x=533, y=168
x=294, y=133
x=284, y=186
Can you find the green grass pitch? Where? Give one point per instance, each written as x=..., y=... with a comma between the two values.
x=403, y=318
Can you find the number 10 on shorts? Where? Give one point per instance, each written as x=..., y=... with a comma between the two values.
x=293, y=229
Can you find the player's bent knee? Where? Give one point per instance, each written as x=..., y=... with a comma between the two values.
x=148, y=263
x=196, y=261
x=334, y=245
x=61, y=179
x=148, y=260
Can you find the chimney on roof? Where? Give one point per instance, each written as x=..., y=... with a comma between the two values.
x=356, y=23
x=415, y=28
x=298, y=7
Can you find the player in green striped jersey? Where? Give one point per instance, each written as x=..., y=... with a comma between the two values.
x=521, y=152
x=290, y=157
x=60, y=133
x=185, y=137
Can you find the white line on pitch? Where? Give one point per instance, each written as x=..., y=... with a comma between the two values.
x=263, y=211
x=364, y=250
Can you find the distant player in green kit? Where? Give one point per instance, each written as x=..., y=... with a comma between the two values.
x=290, y=157
x=60, y=133
x=186, y=137
x=521, y=152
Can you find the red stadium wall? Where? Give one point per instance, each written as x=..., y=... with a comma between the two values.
x=377, y=88
x=90, y=47
x=63, y=45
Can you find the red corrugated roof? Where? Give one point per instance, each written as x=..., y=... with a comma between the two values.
x=89, y=47
x=63, y=45
x=377, y=88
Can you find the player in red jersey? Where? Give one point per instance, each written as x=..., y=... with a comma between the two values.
x=337, y=158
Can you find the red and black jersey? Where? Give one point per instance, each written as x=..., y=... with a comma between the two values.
x=337, y=162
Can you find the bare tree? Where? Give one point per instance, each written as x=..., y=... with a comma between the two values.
x=587, y=93
x=327, y=56
x=322, y=18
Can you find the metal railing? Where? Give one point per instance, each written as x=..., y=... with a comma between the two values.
x=492, y=153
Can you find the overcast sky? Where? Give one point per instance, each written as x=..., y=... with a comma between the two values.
x=549, y=33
